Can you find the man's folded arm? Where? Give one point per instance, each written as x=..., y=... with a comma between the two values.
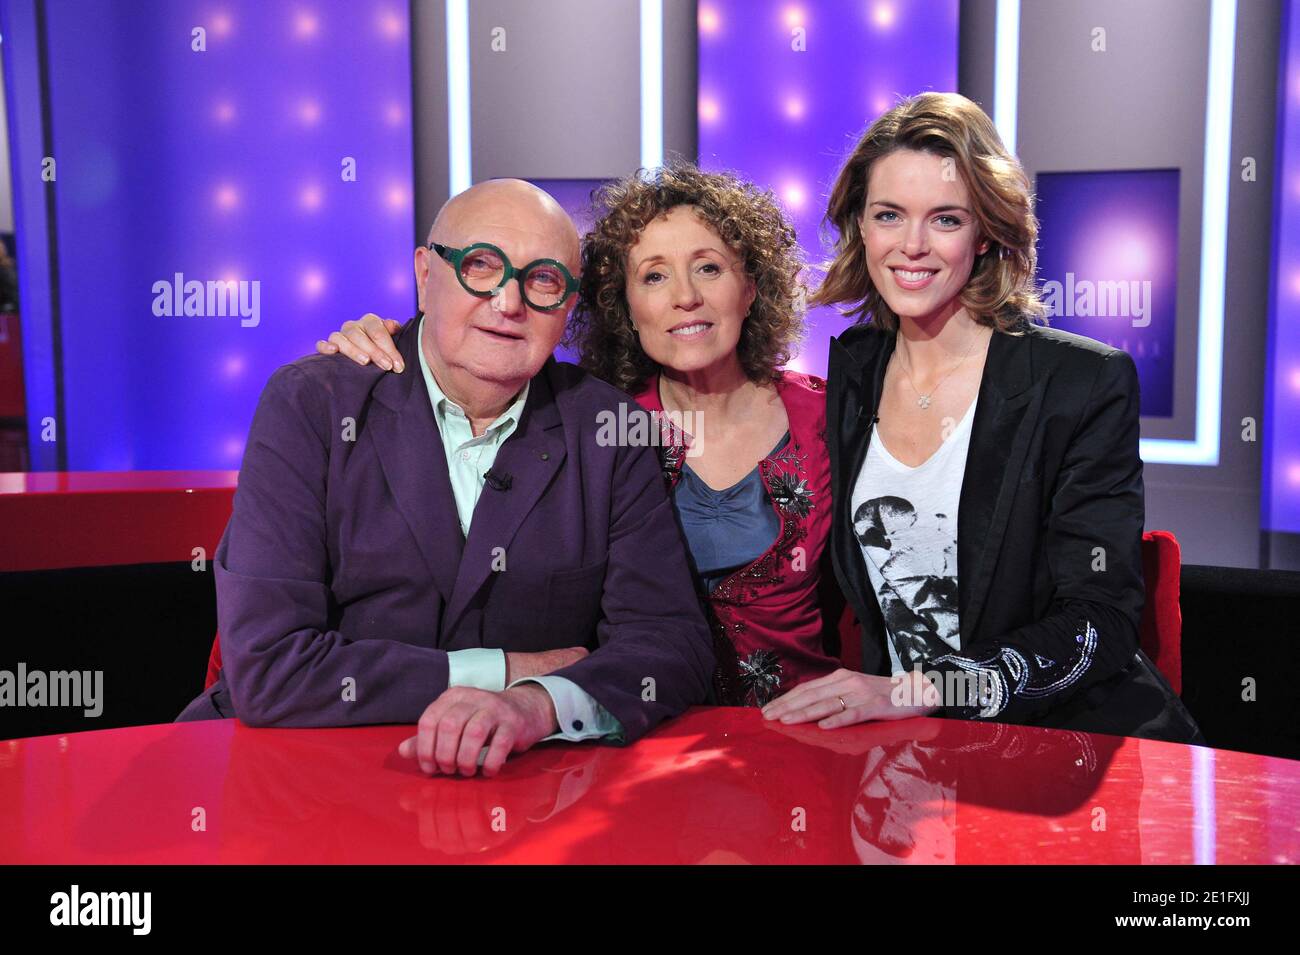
x=578, y=714
x=281, y=662
x=655, y=653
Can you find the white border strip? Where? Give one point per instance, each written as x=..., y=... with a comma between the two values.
x=652, y=83
x=1204, y=450
x=458, y=140
x=1006, y=72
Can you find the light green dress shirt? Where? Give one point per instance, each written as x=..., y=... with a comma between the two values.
x=468, y=459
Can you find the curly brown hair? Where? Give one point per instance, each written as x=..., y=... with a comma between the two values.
x=1001, y=290
x=744, y=216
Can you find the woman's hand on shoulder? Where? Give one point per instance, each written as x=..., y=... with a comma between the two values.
x=368, y=339
x=846, y=697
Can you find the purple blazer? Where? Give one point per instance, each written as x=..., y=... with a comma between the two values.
x=343, y=579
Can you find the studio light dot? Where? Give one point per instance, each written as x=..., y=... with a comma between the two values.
x=391, y=25
x=395, y=197
x=793, y=107
x=221, y=24
x=1135, y=252
x=305, y=25
x=227, y=198
x=224, y=112
x=393, y=114
x=309, y=112
x=793, y=16
x=1293, y=474
x=709, y=20
x=310, y=197
x=794, y=196
x=883, y=15
x=709, y=110
x=1294, y=380
x=313, y=282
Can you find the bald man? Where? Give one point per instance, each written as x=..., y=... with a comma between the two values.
x=455, y=548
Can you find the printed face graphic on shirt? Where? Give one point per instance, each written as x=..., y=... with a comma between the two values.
x=916, y=556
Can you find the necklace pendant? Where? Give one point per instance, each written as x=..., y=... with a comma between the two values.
x=923, y=401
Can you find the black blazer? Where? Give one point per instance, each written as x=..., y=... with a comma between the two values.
x=1049, y=532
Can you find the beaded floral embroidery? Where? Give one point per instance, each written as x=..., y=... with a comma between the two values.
x=760, y=677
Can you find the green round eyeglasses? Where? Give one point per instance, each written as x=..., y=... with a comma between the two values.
x=484, y=270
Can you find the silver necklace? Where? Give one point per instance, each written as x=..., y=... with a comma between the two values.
x=923, y=400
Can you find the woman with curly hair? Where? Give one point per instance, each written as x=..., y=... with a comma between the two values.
x=988, y=497
x=691, y=302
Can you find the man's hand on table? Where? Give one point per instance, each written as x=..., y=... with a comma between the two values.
x=457, y=725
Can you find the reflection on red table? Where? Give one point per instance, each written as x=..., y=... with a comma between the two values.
x=715, y=786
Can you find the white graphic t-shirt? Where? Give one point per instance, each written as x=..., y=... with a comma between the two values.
x=905, y=519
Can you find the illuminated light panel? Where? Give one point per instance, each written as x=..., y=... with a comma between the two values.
x=1204, y=448
x=652, y=83
x=1006, y=71
x=458, y=129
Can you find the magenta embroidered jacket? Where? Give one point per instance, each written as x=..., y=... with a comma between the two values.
x=774, y=621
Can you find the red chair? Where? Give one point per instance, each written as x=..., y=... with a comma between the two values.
x=214, y=662
x=1161, y=632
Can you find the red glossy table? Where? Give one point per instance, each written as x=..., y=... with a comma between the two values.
x=715, y=786
x=57, y=519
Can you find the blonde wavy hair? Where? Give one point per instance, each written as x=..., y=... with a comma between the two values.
x=744, y=216
x=1001, y=291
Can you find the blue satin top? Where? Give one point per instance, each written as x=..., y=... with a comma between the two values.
x=728, y=529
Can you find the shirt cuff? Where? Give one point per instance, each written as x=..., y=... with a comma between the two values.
x=579, y=715
x=483, y=668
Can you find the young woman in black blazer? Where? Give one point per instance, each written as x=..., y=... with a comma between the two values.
x=986, y=484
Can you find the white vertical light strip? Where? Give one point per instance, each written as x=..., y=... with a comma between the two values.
x=652, y=83
x=1204, y=822
x=1006, y=71
x=1204, y=449
x=458, y=143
